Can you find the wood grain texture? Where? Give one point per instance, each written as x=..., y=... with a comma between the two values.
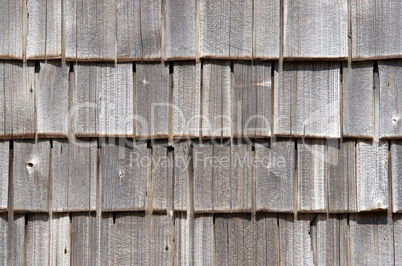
x=4, y=254
x=396, y=173
x=341, y=176
x=4, y=172
x=203, y=238
x=74, y=175
x=295, y=244
x=372, y=175
x=91, y=239
x=44, y=29
x=52, y=100
x=180, y=30
x=317, y=29
x=251, y=100
x=90, y=30
x=139, y=34
x=266, y=239
x=182, y=174
x=60, y=240
x=312, y=178
x=216, y=99
x=203, y=181
x=357, y=97
x=390, y=75
x=18, y=100
x=241, y=29
x=307, y=99
x=123, y=175
x=152, y=101
x=397, y=221
x=144, y=240
x=221, y=178
x=186, y=99
x=16, y=239
x=371, y=239
x=266, y=32
x=274, y=164
x=182, y=239
x=376, y=27
x=31, y=175
x=11, y=30
x=38, y=237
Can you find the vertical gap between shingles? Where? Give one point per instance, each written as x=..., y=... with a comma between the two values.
x=10, y=204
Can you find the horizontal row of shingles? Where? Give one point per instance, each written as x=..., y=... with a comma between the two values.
x=325, y=176
x=238, y=239
x=310, y=99
x=189, y=29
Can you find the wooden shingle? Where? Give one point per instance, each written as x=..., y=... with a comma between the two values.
x=182, y=174
x=11, y=29
x=4, y=239
x=266, y=234
x=37, y=242
x=60, y=240
x=397, y=221
x=396, y=172
x=16, y=240
x=203, y=237
x=4, y=172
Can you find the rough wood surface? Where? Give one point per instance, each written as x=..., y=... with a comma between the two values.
x=4, y=172
x=123, y=175
x=182, y=239
x=251, y=100
x=74, y=175
x=4, y=254
x=307, y=99
x=266, y=239
x=186, y=99
x=203, y=182
x=11, y=29
x=341, y=176
x=241, y=29
x=357, y=97
x=182, y=174
x=60, y=240
x=397, y=221
x=203, y=237
x=31, y=175
x=18, y=99
x=371, y=239
x=295, y=244
x=376, y=29
x=390, y=75
x=44, y=29
x=52, y=100
x=152, y=101
x=16, y=240
x=396, y=172
x=315, y=29
x=144, y=240
x=180, y=30
x=90, y=30
x=37, y=243
x=216, y=99
x=139, y=33
x=372, y=176
x=221, y=178
x=274, y=164
x=266, y=32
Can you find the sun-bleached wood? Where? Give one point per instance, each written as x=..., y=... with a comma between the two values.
x=251, y=100
x=152, y=101
x=266, y=233
x=371, y=239
x=44, y=29
x=372, y=175
x=274, y=164
x=295, y=244
x=4, y=171
x=357, y=97
x=397, y=222
x=266, y=32
x=390, y=75
x=16, y=240
x=203, y=238
x=182, y=174
x=143, y=239
x=74, y=175
x=341, y=175
x=183, y=239
x=90, y=30
x=315, y=29
x=4, y=239
x=216, y=99
x=11, y=29
x=139, y=34
x=60, y=240
x=203, y=182
x=180, y=30
x=396, y=172
x=311, y=175
x=37, y=242
x=221, y=178
x=17, y=89
x=52, y=99
x=376, y=29
x=31, y=173
x=123, y=173
x=307, y=99
x=186, y=99
x=241, y=29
